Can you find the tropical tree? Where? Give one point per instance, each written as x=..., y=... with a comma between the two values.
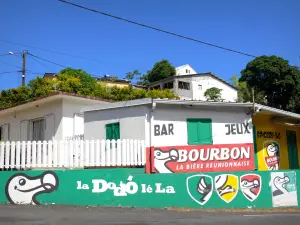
x=213, y=94
x=275, y=81
x=162, y=69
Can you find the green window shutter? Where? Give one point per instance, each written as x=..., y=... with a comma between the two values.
x=205, y=131
x=199, y=131
x=116, y=131
x=108, y=131
x=113, y=131
x=192, y=130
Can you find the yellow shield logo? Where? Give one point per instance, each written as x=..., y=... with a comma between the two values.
x=227, y=186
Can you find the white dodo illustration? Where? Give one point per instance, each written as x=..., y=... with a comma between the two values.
x=161, y=158
x=23, y=189
x=272, y=150
x=279, y=184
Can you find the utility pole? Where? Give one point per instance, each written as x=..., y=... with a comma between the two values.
x=24, y=67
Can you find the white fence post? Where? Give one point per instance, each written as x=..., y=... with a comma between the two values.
x=72, y=154
x=2, y=155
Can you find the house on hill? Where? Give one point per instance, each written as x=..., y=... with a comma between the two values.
x=55, y=116
x=190, y=85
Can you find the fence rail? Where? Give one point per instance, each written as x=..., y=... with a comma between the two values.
x=72, y=154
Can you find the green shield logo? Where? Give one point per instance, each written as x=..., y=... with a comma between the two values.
x=200, y=188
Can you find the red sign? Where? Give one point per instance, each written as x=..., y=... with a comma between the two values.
x=201, y=158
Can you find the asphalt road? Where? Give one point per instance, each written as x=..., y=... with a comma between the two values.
x=65, y=215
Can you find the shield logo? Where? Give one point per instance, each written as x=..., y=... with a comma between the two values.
x=250, y=185
x=271, y=152
x=227, y=186
x=200, y=188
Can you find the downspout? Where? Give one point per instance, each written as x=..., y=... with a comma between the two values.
x=153, y=107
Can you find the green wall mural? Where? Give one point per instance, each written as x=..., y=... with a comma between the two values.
x=130, y=187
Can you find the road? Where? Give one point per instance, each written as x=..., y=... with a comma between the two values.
x=67, y=215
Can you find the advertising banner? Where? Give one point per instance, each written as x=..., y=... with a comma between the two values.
x=201, y=158
x=134, y=188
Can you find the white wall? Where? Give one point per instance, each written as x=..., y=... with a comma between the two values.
x=182, y=70
x=43, y=110
x=73, y=122
x=178, y=117
x=228, y=93
x=132, y=122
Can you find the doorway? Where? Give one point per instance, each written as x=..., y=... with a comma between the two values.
x=292, y=149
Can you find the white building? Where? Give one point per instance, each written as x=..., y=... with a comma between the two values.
x=170, y=122
x=55, y=116
x=190, y=85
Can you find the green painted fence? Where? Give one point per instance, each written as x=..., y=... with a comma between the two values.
x=130, y=187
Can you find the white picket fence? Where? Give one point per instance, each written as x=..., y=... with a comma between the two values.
x=72, y=154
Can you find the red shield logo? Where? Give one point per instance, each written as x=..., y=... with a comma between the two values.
x=250, y=185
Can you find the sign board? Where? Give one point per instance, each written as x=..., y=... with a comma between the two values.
x=201, y=158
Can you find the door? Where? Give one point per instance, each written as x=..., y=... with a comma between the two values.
x=292, y=149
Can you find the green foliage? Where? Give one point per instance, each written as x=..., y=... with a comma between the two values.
x=78, y=82
x=276, y=83
x=131, y=75
x=14, y=96
x=161, y=70
x=213, y=94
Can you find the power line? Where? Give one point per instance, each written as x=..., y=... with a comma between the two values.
x=56, y=52
x=39, y=62
x=46, y=60
x=9, y=72
x=11, y=64
x=157, y=29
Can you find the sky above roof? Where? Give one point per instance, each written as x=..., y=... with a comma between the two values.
x=115, y=47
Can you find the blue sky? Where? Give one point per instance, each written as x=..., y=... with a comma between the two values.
x=256, y=27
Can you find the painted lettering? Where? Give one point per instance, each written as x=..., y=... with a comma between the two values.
x=268, y=134
x=237, y=128
x=162, y=130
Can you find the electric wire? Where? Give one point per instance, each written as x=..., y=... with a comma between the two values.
x=53, y=51
x=157, y=29
x=46, y=60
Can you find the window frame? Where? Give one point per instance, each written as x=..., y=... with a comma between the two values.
x=200, y=141
x=113, y=136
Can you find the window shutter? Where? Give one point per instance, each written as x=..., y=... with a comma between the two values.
x=109, y=131
x=205, y=131
x=49, y=127
x=5, y=132
x=24, y=131
x=192, y=130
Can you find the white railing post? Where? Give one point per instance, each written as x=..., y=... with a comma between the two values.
x=135, y=152
x=55, y=159
x=92, y=153
x=108, y=153
x=12, y=155
x=66, y=154
x=81, y=153
x=86, y=153
x=119, y=152
x=34, y=145
x=76, y=153
x=102, y=151
x=18, y=155
x=39, y=154
x=124, y=152
x=131, y=152
x=23, y=155
x=98, y=152
x=71, y=153
x=50, y=155
x=7, y=153
x=45, y=153
x=61, y=154
x=2, y=155
x=28, y=155
x=113, y=152
x=128, y=152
